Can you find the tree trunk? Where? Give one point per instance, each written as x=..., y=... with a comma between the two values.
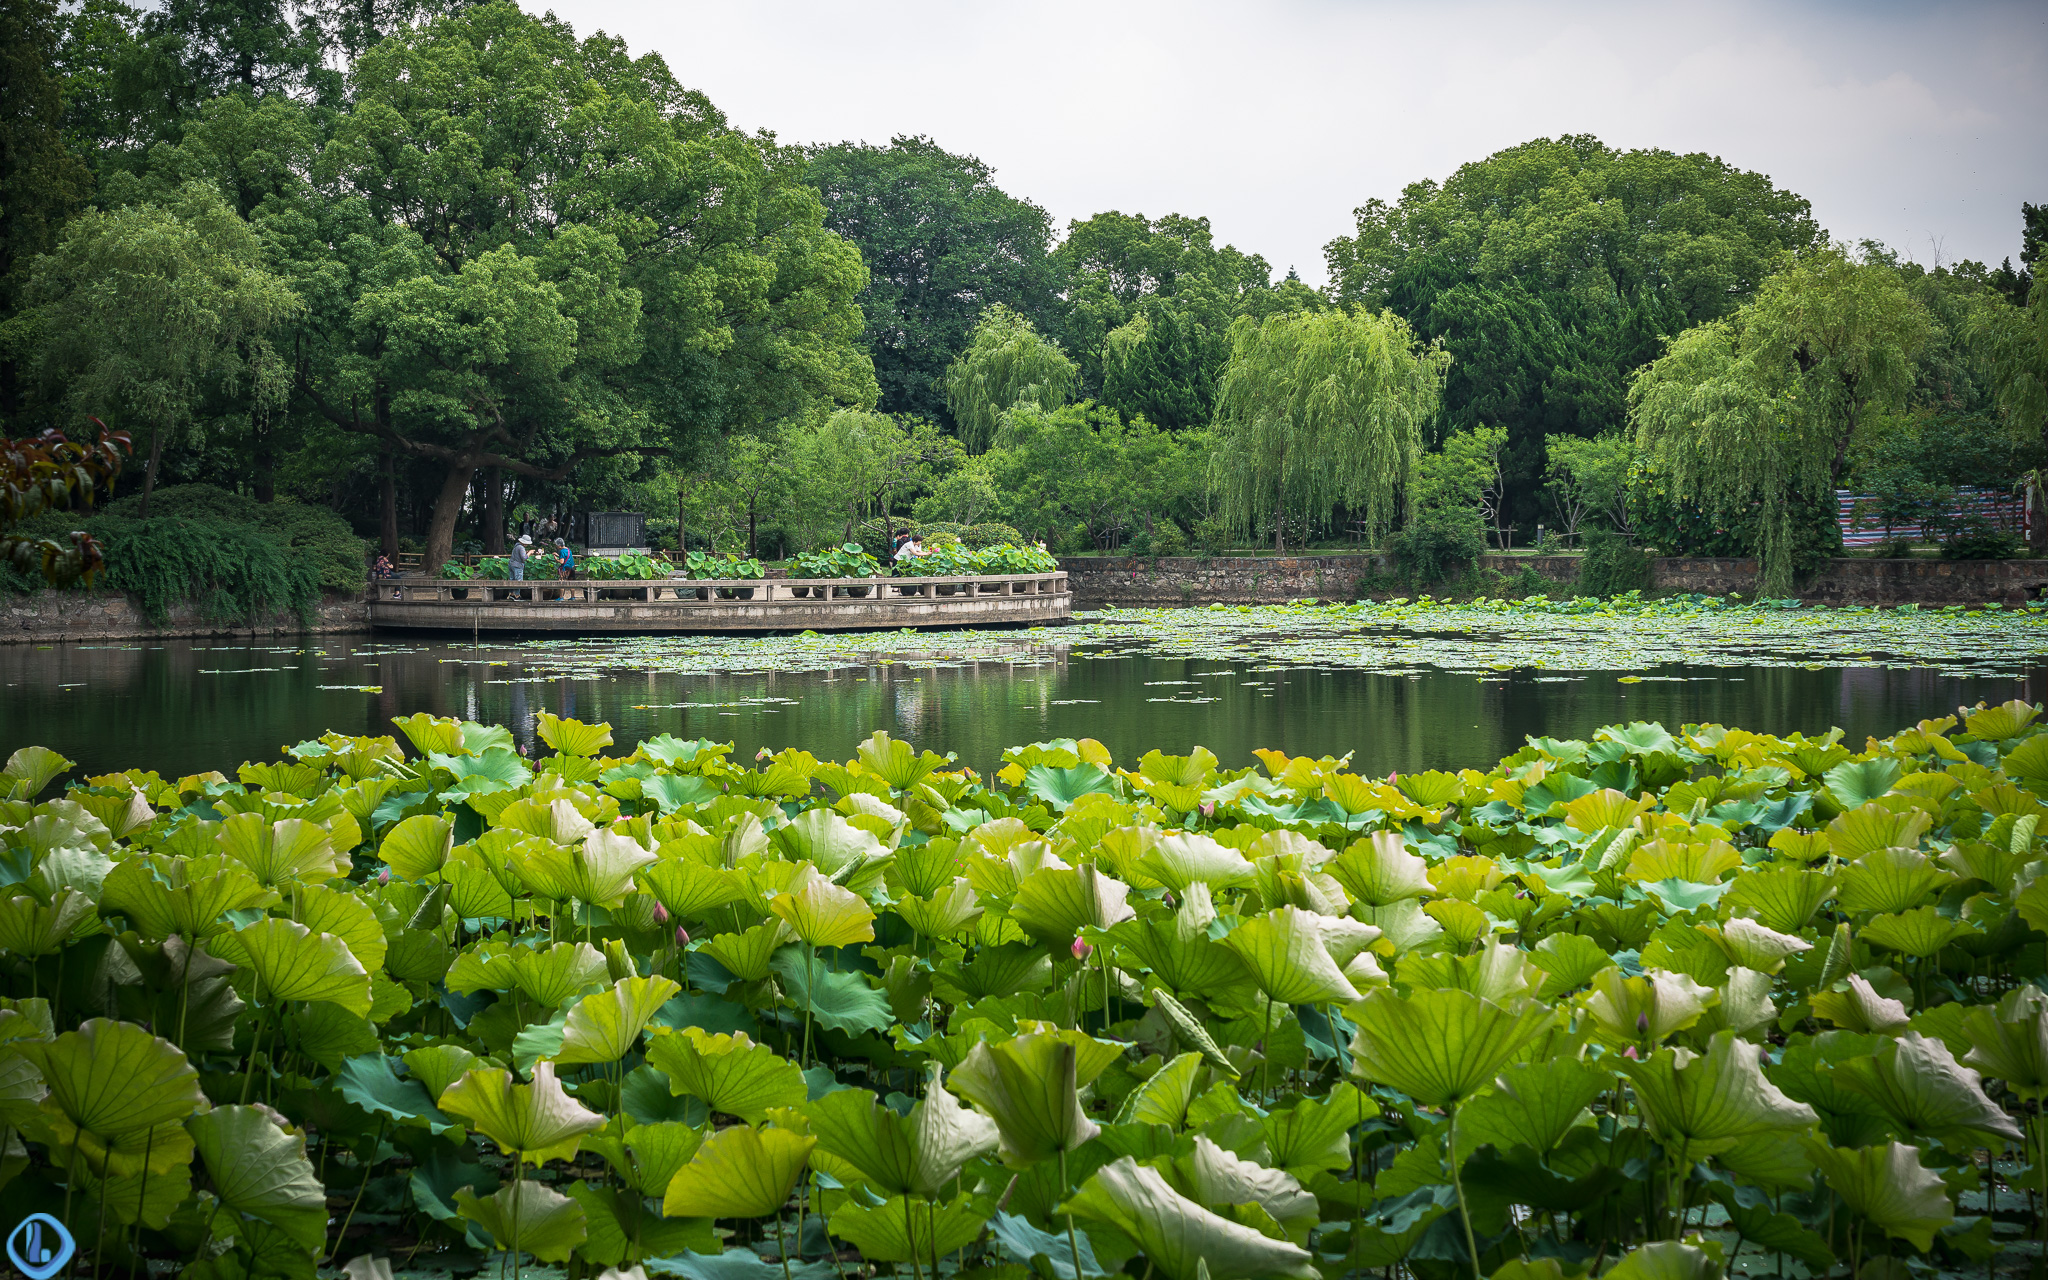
x=387, y=505
x=682, y=527
x=447, y=511
x=265, y=460
x=156, y=453
x=752, y=525
x=1279, y=518
x=494, y=511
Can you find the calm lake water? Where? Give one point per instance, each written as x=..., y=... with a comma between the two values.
x=180, y=707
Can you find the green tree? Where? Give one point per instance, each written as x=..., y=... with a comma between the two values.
x=1085, y=464
x=147, y=306
x=1589, y=479
x=1318, y=409
x=2018, y=283
x=41, y=181
x=942, y=244
x=1163, y=366
x=1444, y=533
x=1755, y=415
x=1007, y=363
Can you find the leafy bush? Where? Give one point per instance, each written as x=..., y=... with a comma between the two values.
x=1439, y=544
x=633, y=566
x=1013, y=559
x=312, y=533
x=232, y=572
x=1141, y=1009
x=989, y=534
x=1970, y=536
x=725, y=568
x=1611, y=567
x=847, y=561
x=950, y=560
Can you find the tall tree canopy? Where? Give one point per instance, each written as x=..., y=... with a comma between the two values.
x=942, y=242
x=1321, y=408
x=1007, y=363
x=1754, y=415
x=1553, y=269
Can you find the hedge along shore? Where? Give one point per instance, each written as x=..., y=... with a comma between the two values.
x=1100, y=581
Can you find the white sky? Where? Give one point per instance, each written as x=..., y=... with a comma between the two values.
x=1922, y=125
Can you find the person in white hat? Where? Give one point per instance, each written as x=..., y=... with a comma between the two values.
x=519, y=557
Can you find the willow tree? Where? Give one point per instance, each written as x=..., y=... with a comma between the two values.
x=1752, y=417
x=1006, y=363
x=1317, y=409
x=2013, y=343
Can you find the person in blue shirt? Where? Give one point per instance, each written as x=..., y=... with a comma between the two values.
x=565, y=559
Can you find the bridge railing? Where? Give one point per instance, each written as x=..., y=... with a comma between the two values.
x=709, y=593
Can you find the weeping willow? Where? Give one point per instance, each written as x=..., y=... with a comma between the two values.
x=1006, y=363
x=1752, y=416
x=1317, y=409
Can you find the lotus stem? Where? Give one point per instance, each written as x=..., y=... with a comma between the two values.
x=361, y=1187
x=1458, y=1186
x=1067, y=1190
x=781, y=1242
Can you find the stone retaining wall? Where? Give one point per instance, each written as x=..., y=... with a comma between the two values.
x=1204, y=580
x=108, y=615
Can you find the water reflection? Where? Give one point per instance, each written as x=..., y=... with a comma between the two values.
x=180, y=707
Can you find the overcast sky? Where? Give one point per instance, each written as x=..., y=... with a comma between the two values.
x=1922, y=125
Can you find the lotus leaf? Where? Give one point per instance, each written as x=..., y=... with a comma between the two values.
x=1439, y=1046
x=603, y=1026
x=294, y=963
x=822, y=914
x=1284, y=952
x=1030, y=1085
x=1705, y=1104
x=740, y=1172
x=731, y=1073
x=117, y=1097
x=539, y=1220
x=261, y=1171
x=1888, y=1187
x=904, y=1230
x=1180, y=1237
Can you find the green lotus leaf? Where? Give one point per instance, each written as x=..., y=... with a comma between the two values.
x=163, y=895
x=489, y=769
x=823, y=914
x=598, y=869
x=1439, y=1047
x=1000, y=971
x=555, y=819
x=1888, y=1187
x=289, y=850
x=839, y=1001
x=1855, y=783
x=1535, y=1105
x=1755, y=946
x=431, y=733
x=151, y=1198
x=371, y=1082
x=418, y=956
x=438, y=1066
x=552, y=977
x=1055, y=903
x=29, y=770
x=1178, y=1236
x=1667, y=1260
x=1181, y=859
x=1925, y=1091
x=1067, y=1255
x=1214, y=1176
x=1179, y=952
x=80, y=869
x=1783, y=899
x=732, y=1074
x=417, y=846
x=919, y=1154
x=1858, y=1007
x=295, y=963
x=539, y=1220
x=572, y=737
x=345, y=916
x=329, y=1034
x=905, y=1230
x=603, y=1026
x=2006, y=720
x=748, y=954
x=1498, y=971
x=260, y=1171
x=656, y=1152
x=671, y=791
x=827, y=841
x=691, y=890
x=32, y=928
x=1164, y=1098
x=896, y=763
x=1920, y=933
x=1029, y=1084
x=944, y=913
x=1060, y=788
x=1874, y=827
x=1647, y=1009
x=623, y=1228
x=1704, y=1104
x=117, y=1096
x=475, y=892
x=1568, y=961
x=538, y=1121
x=1284, y=951
x=740, y=1172
x=1462, y=922
x=2010, y=1043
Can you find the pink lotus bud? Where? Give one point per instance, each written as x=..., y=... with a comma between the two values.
x=1629, y=1053
x=764, y=754
x=1168, y=899
x=1642, y=1024
x=682, y=936
x=1081, y=949
x=1395, y=777
x=384, y=876
x=660, y=914
x=1207, y=808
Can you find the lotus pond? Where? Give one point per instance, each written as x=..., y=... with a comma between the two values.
x=1413, y=685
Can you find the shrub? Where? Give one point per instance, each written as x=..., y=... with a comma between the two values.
x=310, y=532
x=1168, y=540
x=991, y=535
x=1075, y=541
x=1611, y=567
x=1439, y=544
x=847, y=561
x=233, y=572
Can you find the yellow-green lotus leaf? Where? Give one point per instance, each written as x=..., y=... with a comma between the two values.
x=438, y=1066
x=538, y=1121
x=2010, y=1043
x=291, y=849
x=294, y=963
x=32, y=928
x=552, y=977
x=1754, y=946
x=1704, y=1104
x=1926, y=1092
x=1054, y=904
x=346, y=916
x=733, y=1075
x=1181, y=859
x=572, y=737
x=540, y=1220
x=691, y=890
x=1667, y=1260
x=1859, y=1008
x=1888, y=1187
x=1030, y=1085
x=1439, y=1046
x=1284, y=951
x=1178, y=1236
x=943, y=914
x=900, y=1230
x=739, y=1172
x=260, y=1171
x=417, y=846
x=162, y=895
x=604, y=1025
x=1645, y=1010
x=1380, y=869
x=823, y=914
x=118, y=1096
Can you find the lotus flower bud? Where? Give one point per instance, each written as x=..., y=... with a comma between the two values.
x=384, y=876
x=660, y=914
x=1081, y=949
x=1629, y=1053
x=1208, y=808
x=682, y=936
x=1642, y=1024
x=764, y=754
